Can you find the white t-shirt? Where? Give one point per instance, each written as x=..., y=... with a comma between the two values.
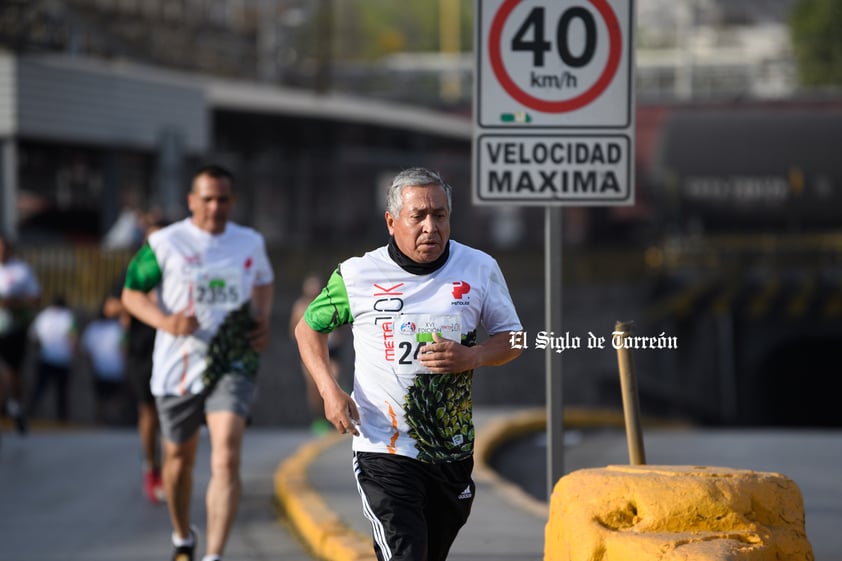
x=104, y=341
x=393, y=312
x=54, y=329
x=211, y=276
x=17, y=280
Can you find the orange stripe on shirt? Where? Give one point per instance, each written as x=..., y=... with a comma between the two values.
x=392, y=447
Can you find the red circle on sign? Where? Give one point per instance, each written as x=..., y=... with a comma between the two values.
x=613, y=62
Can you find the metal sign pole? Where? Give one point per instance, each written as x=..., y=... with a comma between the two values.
x=552, y=291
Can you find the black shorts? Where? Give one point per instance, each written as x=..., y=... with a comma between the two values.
x=415, y=509
x=139, y=373
x=13, y=348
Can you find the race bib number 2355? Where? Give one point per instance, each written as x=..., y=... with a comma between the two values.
x=219, y=289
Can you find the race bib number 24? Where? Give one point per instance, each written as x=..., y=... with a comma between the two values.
x=416, y=330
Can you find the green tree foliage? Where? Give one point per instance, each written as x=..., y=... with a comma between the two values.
x=816, y=28
x=367, y=30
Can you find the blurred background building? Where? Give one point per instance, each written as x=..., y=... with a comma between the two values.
x=733, y=243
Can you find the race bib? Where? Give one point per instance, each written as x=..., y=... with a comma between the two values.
x=413, y=331
x=220, y=289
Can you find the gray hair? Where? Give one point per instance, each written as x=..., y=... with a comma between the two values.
x=413, y=177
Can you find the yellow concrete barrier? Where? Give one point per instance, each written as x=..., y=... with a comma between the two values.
x=675, y=513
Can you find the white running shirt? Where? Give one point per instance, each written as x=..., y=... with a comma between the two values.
x=403, y=410
x=211, y=276
x=104, y=341
x=55, y=331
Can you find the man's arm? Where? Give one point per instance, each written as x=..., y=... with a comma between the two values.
x=340, y=409
x=142, y=276
x=443, y=356
x=262, y=298
x=138, y=304
x=113, y=307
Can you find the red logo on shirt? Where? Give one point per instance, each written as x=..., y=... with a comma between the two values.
x=460, y=288
x=248, y=263
x=389, y=301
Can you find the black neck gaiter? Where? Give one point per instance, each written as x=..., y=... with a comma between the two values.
x=411, y=266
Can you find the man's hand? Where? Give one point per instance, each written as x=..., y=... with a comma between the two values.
x=180, y=323
x=259, y=336
x=444, y=356
x=341, y=411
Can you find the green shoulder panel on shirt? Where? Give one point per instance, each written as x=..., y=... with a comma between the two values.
x=143, y=273
x=331, y=307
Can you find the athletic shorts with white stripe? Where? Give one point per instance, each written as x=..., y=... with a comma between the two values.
x=415, y=509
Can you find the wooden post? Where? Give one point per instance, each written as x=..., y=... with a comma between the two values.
x=628, y=386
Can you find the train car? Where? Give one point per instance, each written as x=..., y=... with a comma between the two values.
x=747, y=261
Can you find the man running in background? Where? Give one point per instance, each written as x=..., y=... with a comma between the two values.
x=215, y=290
x=20, y=295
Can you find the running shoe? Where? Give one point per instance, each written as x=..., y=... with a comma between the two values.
x=152, y=485
x=185, y=552
x=159, y=486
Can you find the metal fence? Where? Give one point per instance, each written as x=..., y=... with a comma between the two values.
x=84, y=275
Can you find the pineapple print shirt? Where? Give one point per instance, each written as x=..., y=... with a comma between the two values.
x=393, y=313
x=211, y=276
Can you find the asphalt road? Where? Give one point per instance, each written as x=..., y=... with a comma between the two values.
x=75, y=495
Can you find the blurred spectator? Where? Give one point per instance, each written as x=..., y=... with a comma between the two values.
x=129, y=230
x=103, y=343
x=56, y=335
x=19, y=298
x=139, y=347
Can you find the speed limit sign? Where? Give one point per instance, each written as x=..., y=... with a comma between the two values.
x=555, y=63
x=553, y=104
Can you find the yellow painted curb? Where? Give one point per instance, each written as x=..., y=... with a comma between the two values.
x=324, y=532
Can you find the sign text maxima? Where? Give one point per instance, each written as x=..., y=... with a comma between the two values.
x=537, y=169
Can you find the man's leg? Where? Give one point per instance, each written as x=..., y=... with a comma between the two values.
x=42, y=377
x=147, y=428
x=179, y=459
x=223, y=497
x=62, y=376
x=14, y=346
